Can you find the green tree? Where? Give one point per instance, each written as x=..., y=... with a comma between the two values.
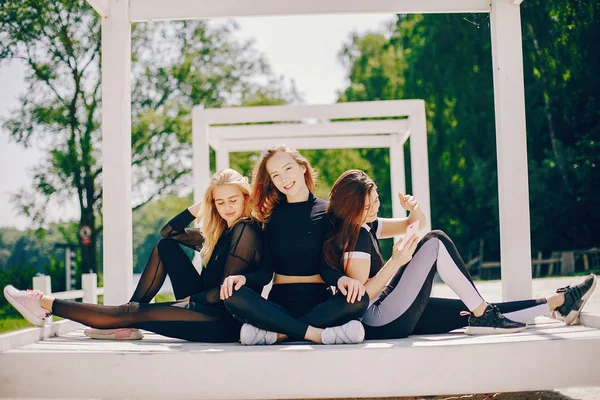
x=59, y=43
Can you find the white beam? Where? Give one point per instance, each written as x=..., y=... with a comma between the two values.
x=116, y=154
x=222, y=157
x=335, y=142
x=152, y=10
x=102, y=7
x=201, y=154
x=308, y=130
x=353, y=110
x=397, y=175
x=419, y=161
x=511, y=144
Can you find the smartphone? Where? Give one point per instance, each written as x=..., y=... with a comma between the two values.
x=411, y=231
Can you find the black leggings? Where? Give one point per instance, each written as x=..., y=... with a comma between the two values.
x=405, y=307
x=292, y=308
x=182, y=320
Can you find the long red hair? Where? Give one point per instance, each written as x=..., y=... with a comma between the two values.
x=347, y=202
x=265, y=196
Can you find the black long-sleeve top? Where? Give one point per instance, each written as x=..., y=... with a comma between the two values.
x=293, y=242
x=238, y=251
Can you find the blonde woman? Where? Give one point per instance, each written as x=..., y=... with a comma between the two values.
x=229, y=244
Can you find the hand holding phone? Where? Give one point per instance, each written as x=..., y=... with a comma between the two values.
x=411, y=231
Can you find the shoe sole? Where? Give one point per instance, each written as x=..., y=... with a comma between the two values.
x=34, y=319
x=480, y=330
x=572, y=316
x=112, y=335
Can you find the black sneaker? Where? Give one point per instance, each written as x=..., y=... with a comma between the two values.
x=492, y=322
x=575, y=298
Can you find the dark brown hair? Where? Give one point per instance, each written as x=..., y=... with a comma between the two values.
x=346, y=207
x=265, y=196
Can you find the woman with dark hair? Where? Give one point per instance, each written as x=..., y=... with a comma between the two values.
x=300, y=304
x=229, y=243
x=400, y=289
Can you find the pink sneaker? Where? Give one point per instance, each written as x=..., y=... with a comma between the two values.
x=27, y=303
x=114, y=334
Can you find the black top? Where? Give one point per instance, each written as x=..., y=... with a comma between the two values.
x=367, y=247
x=238, y=251
x=293, y=240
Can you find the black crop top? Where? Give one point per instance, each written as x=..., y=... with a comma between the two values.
x=367, y=248
x=293, y=240
x=238, y=251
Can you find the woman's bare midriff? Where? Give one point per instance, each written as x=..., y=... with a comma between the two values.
x=287, y=279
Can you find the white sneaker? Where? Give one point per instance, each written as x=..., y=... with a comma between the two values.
x=251, y=335
x=27, y=302
x=352, y=332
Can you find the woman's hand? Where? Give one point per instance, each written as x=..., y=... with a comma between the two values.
x=408, y=202
x=195, y=209
x=402, y=253
x=228, y=285
x=353, y=289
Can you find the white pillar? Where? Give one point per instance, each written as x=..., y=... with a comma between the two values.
x=42, y=283
x=201, y=153
x=419, y=161
x=511, y=145
x=222, y=157
x=116, y=153
x=89, y=285
x=397, y=174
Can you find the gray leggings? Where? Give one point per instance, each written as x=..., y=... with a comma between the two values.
x=398, y=310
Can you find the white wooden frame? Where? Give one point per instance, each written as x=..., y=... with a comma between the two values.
x=509, y=99
x=321, y=134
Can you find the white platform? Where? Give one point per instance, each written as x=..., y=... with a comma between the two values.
x=546, y=356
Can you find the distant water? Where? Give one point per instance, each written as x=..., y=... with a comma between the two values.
x=166, y=288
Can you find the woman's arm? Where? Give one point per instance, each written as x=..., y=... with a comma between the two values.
x=391, y=227
x=359, y=268
x=176, y=229
x=245, y=249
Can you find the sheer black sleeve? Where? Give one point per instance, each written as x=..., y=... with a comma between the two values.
x=264, y=273
x=176, y=229
x=244, y=255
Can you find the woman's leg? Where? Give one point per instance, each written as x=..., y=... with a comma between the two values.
x=249, y=307
x=398, y=309
x=444, y=315
x=167, y=258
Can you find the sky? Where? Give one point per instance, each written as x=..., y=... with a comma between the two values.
x=302, y=48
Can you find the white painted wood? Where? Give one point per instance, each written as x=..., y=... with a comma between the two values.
x=102, y=7
x=116, y=153
x=282, y=131
x=23, y=337
x=42, y=283
x=397, y=175
x=416, y=366
x=511, y=144
x=201, y=153
x=337, y=142
x=351, y=110
x=420, y=161
x=89, y=285
x=152, y=10
x=222, y=158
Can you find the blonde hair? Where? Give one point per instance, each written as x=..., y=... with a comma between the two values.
x=213, y=225
x=265, y=196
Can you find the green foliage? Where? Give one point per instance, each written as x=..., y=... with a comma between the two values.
x=445, y=60
x=59, y=44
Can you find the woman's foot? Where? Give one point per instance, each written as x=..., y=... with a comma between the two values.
x=114, y=334
x=575, y=298
x=251, y=335
x=27, y=302
x=492, y=322
x=352, y=332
